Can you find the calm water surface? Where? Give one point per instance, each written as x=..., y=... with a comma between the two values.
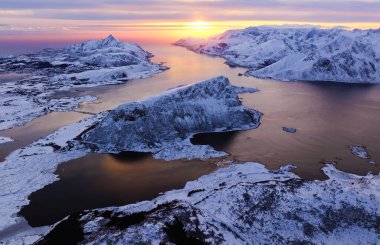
x=329, y=118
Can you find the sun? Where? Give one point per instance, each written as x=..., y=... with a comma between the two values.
x=199, y=26
x=200, y=29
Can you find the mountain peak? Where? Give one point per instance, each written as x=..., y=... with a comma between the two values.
x=111, y=38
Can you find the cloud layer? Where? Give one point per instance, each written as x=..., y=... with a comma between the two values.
x=150, y=15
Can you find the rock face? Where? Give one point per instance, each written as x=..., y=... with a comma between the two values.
x=164, y=124
x=241, y=204
x=289, y=130
x=89, y=64
x=300, y=53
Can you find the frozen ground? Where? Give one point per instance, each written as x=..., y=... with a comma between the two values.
x=164, y=124
x=297, y=53
x=5, y=140
x=89, y=64
x=241, y=204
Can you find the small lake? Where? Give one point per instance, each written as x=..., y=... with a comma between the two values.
x=328, y=116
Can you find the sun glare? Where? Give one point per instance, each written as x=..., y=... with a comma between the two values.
x=199, y=29
x=199, y=26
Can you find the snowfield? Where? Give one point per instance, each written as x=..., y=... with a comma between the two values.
x=164, y=124
x=241, y=204
x=5, y=140
x=297, y=53
x=89, y=64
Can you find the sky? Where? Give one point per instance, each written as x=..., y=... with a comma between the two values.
x=65, y=21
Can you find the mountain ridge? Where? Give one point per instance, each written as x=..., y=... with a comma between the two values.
x=297, y=53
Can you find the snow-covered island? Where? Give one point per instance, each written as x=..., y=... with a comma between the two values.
x=297, y=53
x=88, y=64
x=164, y=124
x=241, y=204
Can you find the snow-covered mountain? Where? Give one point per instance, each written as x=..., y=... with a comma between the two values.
x=241, y=204
x=164, y=124
x=107, y=52
x=88, y=64
x=297, y=53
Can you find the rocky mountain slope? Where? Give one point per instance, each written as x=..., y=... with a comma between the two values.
x=297, y=53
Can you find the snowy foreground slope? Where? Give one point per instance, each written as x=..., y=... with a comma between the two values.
x=241, y=204
x=298, y=53
x=164, y=124
x=89, y=64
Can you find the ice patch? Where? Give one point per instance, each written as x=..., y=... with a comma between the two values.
x=359, y=151
x=5, y=140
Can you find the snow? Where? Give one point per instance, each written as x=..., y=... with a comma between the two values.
x=244, y=204
x=19, y=109
x=5, y=140
x=359, y=151
x=164, y=124
x=30, y=168
x=297, y=53
x=43, y=74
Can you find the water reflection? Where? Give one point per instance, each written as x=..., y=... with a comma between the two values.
x=218, y=140
x=130, y=157
x=97, y=180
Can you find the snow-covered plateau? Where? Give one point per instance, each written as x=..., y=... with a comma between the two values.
x=297, y=53
x=39, y=76
x=165, y=124
x=240, y=204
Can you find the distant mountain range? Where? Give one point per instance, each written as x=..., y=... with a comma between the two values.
x=297, y=53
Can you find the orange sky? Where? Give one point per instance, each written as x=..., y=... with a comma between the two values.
x=167, y=21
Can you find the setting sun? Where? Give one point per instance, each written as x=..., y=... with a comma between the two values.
x=199, y=26
x=201, y=29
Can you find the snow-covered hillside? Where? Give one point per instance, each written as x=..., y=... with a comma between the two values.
x=241, y=204
x=164, y=124
x=108, y=52
x=89, y=64
x=298, y=53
